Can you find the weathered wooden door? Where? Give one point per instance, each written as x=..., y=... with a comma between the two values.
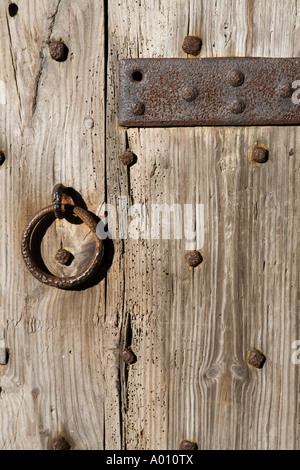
x=190, y=329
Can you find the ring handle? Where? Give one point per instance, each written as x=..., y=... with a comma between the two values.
x=49, y=279
x=57, y=193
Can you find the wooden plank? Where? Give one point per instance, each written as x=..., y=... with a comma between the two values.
x=55, y=380
x=191, y=329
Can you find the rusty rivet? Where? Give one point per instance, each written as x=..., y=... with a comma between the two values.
x=285, y=89
x=188, y=445
x=193, y=258
x=88, y=122
x=236, y=78
x=137, y=108
x=256, y=358
x=260, y=154
x=127, y=356
x=127, y=158
x=58, y=51
x=63, y=256
x=190, y=93
x=238, y=106
x=35, y=392
x=2, y=157
x=192, y=45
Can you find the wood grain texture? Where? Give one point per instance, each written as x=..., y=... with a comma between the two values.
x=189, y=329
x=55, y=380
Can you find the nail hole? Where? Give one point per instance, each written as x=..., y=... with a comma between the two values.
x=137, y=76
x=13, y=9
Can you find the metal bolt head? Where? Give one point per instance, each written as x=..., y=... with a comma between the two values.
x=238, y=106
x=88, y=122
x=13, y=9
x=236, y=78
x=137, y=108
x=285, y=89
x=58, y=51
x=3, y=353
x=256, y=358
x=127, y=158
x=192, y=45
x=63, y=256
x=193, y=258
x=2, y=157
x=188, y=445
x=190, y=93
x=260, y=154
x=127, y=356
x=60, y=443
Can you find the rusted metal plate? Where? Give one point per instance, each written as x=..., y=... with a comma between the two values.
x=209, y=92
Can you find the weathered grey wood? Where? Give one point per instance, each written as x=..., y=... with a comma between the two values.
x=55, y=378
x=190, y=329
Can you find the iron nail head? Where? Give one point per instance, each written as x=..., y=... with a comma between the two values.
x=238, y=106
x=260, y=154
x=58, y=51
x=127, y=356
x=188, y=445
x=193, y=258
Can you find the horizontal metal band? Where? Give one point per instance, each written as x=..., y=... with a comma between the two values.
x=209, y=92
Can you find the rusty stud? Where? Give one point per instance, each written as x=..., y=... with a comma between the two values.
x=236, y=78
x=188, y=445
x=193, y=258
x=256, y=358
x=35, y=392
x=127, y=158
x=137, y=108
x=2, y=157
x=60, y=443
x=192, y=45
x=190, y=94
x=238, y=106
x=285, y=89
x=63, y=256
x=260, y=154
x=58, y=51
x=127, y=356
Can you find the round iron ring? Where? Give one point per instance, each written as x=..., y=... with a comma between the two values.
x=50, y=279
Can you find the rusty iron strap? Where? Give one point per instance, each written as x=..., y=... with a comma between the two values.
x=209, y=92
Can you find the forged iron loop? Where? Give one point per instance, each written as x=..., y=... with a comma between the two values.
x=48, y=278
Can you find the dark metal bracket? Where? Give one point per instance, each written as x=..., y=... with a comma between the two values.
x=209, y=92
